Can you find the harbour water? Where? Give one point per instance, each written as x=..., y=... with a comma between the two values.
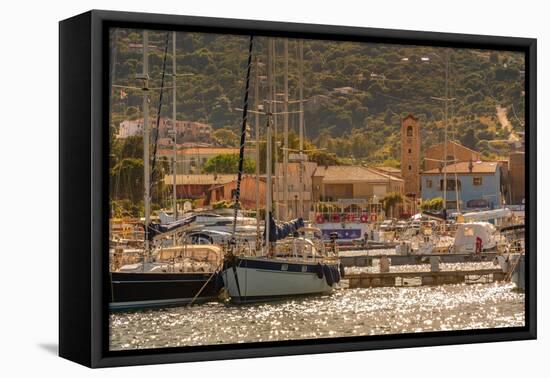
x=346, y=312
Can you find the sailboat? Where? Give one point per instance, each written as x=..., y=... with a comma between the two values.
x=286, y=267
x=287, y=263
x=187, y=274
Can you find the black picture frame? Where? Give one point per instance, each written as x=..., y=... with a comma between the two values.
x=83, y=196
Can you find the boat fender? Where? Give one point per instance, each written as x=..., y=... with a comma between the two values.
x=218, y=281
x=336, y=274
x=328, y=275
x=342, y=271
x=319, y=270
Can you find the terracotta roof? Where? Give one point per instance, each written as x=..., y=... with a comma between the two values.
x=334, y=174
x=451, y=142
x=200, y=151
x=411, y=117
x=203, y=179
x=463, y=167
x=208, y=179
x=390, y=170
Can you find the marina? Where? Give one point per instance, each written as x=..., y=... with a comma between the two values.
x=260, y=234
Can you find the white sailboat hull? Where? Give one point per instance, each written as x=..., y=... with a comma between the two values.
x=256, y=279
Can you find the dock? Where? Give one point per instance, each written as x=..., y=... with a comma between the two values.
x=398, y=279
x=365, y=259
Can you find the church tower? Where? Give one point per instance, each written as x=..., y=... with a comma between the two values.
x=410, y=155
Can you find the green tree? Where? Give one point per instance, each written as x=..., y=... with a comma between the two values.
x=434, y=204
x=225, y=138
x=390, y=201
x=324, y=158
x=228, y=163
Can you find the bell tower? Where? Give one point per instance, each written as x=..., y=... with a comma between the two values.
x=410, y=155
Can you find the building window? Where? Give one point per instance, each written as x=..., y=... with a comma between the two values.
x=477, y=181
x=410, y=167
x=451, y=185
x=429, y=183
x=409, y=131
x=410, y=150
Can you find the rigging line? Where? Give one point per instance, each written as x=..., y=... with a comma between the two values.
x=243, y=139
x=159, y=109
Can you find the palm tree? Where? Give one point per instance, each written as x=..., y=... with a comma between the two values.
x=390, y=201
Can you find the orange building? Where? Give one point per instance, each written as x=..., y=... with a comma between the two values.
x=249, y=193
x=456, y=153
x=517, y=177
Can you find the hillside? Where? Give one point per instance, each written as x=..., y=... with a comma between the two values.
x=361, y=124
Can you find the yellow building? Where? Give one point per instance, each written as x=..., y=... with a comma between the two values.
x=333, y=183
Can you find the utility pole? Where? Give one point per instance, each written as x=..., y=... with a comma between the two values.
x=285, y=131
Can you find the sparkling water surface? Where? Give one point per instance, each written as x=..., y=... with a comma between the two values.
x=346, y=312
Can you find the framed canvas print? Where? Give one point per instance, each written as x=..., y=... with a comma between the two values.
x=233, y=188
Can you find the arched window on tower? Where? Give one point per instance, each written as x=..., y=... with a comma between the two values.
x=409, y=131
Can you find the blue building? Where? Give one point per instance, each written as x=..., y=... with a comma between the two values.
x=479, y=184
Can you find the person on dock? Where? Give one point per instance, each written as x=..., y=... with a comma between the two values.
x=365, y=239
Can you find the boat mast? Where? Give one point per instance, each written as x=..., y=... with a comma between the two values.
x=457, y=194
x=269, y=188
x=257, y=125
x=285, y=132
x=269, y=142
x=174, y=128
x=301, y=124
x=275, y=128
x=146, y=173
x=445, y=142
x=242, y=142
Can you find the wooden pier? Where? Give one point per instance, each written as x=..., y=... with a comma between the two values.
x=392, y=279
x=365, y=259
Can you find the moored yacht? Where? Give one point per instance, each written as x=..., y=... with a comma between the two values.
x=294, y=266
x=286, y=263
x=173, y=276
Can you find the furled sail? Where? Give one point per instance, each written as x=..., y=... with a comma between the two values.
x=156, y=229
x=440, y=215
x=278, y=232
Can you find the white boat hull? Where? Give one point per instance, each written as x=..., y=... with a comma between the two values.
x=257, y=279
